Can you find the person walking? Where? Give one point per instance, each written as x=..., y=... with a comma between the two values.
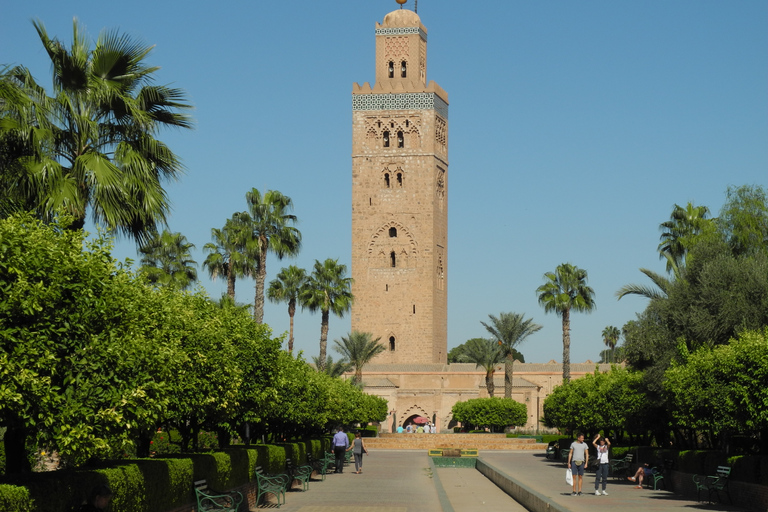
x=340, y=445
x=602, y=462
x=358, y=447
x=578, y=456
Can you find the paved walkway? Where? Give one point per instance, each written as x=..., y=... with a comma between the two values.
x=403, y=481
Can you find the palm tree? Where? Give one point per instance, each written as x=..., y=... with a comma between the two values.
x=94, y=139
x=328, y=290
x=566, y=289
x=678, y=231
x=359, y=348
x=167, y=260
x=663, y=283
x=486, y=354
x=230, y=254
x=611, y=337
x=331, y=367
x=286, y=288
x=272, y=228
x=510, y=330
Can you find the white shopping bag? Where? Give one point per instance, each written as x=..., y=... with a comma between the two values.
x=568, y=477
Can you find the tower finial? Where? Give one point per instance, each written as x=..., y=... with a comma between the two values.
x=401, y=2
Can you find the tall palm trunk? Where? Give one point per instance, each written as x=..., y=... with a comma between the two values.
x=231, y=283
x=508, y=369
x=291, y=312
x=489, y=383
x=566, y=346
x=261, y=277
x=323, y=338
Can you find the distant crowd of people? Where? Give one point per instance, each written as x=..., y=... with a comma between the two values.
x=412, y=428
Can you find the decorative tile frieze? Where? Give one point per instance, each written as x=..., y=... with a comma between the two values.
x=402, y=101
x=400, y=31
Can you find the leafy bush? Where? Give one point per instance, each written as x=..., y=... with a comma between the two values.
x=495, y=413
x=15, y=499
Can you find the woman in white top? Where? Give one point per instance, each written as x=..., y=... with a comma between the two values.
x=602, y=462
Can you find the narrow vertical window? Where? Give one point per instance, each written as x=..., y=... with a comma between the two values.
x=400, y=140
x=386, y=139
x=386, y=287
x=392, y=343
x=370, y=201
x=403, y=71
x=386, y=179
x=400, y=179
x=391, y=69
x=414, y=309
x=393, y=232
x=392, y=259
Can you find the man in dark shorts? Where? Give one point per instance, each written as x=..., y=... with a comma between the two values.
x=578, y=457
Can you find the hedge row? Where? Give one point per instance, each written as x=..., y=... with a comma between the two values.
x=152, y=485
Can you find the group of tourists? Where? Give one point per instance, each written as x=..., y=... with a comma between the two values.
x=410, y=428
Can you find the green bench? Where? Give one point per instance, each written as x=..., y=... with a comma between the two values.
x=276, y=485
x=620, y=467
x=209, y=500
x=321, y=465
x=713, y=484
x=301, y=474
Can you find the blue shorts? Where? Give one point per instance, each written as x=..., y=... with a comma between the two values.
x=577, y=469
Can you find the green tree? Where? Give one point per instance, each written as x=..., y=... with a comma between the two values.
x=359, y=348
x=485, y=354
x=331, y=367
x=611, y=336
x=729, y=383
x=85, y=367
x=493, y=413
x=743, y=219
x=510, y=330
x=679, y=231
x=230, y=254
x=566, y=289
x=454, y=354
x=663, y=283
x=286, y=288
x=272, y=228
x=167, y=261
x=93, y=142
x=328, y=290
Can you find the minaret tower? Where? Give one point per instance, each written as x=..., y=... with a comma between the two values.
x=400, y=198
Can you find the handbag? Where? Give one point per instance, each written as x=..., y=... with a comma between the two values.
x=568, y=477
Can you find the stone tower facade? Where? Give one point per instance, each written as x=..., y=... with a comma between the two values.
x=400, y=198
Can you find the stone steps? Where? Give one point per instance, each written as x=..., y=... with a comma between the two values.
x=463, y=441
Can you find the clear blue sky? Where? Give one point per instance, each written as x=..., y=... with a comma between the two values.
x=574, y=129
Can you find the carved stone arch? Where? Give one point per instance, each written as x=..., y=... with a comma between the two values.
x=414, y=410
x=403, y=234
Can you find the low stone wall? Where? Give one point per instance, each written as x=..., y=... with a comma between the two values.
x=463, y=441
x=527, y=497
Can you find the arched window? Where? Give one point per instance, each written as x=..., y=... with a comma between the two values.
x=403, y=71
x=391, y=69
x=386, y=179
x=386, y=139
x=400, y=140
x=393, y=232
x=392, y=259
x=400, y=179
x=391, y=343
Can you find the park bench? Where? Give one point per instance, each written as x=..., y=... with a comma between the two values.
x=551, y=452
x=299, y=473
x=209, y=500
x=713, y=484
x=620, y=467
x=657, y=474
x=320, y=465
x=271, y=484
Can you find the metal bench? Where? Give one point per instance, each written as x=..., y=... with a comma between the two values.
x=320, y=465
x=300, y=473
x=210, y=500
x=713, y=484
x=271, y=484
x=620, y=467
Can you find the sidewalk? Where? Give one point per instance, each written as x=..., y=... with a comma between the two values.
x=403, y=481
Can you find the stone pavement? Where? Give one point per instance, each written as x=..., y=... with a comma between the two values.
x=404, y=481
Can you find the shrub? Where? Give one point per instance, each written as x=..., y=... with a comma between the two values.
x=15, y=499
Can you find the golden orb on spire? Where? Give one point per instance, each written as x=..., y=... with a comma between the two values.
x=401, y=2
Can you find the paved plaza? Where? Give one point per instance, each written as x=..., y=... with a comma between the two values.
x=404, y=481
